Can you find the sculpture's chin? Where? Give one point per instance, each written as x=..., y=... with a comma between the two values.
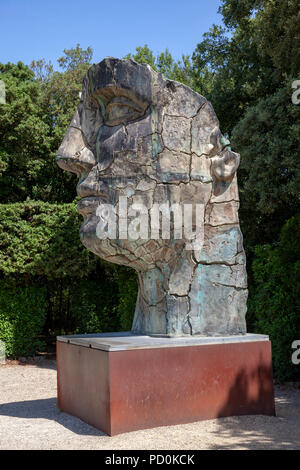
x=141, y=255
x=116, y=251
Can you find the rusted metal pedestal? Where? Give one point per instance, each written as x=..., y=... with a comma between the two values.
x=119, y=382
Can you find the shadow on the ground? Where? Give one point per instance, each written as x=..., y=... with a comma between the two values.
x=47, y=409
x=247, y=432
x=44, y=363
x=235, y=432
x=258, y=432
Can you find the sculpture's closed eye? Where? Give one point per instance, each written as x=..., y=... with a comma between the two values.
x=121, y=110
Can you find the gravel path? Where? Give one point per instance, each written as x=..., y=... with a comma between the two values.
x=29, y=419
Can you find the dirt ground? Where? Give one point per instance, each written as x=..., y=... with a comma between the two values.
x=30, y=419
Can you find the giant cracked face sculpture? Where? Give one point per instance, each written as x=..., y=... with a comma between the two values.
x=141, y=143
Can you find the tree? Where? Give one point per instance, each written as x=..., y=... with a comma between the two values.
x=255, y=52
x=180, y=70
x=268, y=139
x=40, y=103
x=60, y=90
x=25, y=141
x=274, y=296
x=277, y=30
x=143, y=56
x=76, y=58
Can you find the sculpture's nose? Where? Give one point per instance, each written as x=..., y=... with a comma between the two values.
x=73, y=155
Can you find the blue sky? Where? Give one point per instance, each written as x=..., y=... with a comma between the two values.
x=34, y=29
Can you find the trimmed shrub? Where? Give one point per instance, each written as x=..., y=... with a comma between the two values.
x=22, y=317
x=42, y=239
x=128, y=288
x=274, y=297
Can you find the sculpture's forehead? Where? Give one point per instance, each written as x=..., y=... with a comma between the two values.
x=114, y=77
x=120, y=91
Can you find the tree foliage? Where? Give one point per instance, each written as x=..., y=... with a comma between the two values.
x=25, y=141
x=274, y=296
x=179, y=70
x=41, y=239
x=22, y=316
x=251, y=56
x=40, y=103
x=268, y=139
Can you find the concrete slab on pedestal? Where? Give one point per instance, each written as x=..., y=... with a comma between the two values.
x=125, y=341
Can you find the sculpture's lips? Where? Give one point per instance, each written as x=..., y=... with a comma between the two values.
x=88, y=205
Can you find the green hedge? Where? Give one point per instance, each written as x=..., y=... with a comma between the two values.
x=82, y=306
x=274, y=297
x=128, y=288
x=22, y=317
x=38, y=238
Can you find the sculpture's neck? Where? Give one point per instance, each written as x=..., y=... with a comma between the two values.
x=163, y=303
x=192, y=298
